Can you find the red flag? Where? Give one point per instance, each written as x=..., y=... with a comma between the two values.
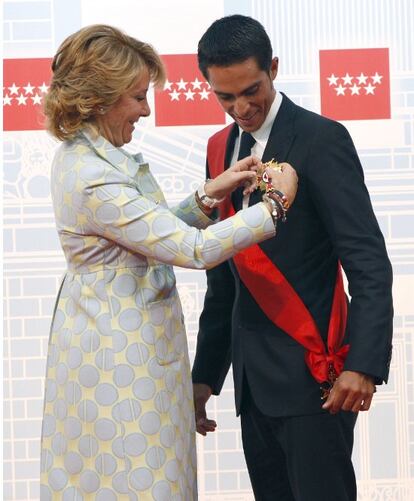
x=25, y=83
x=355, y=84
x=187, y=98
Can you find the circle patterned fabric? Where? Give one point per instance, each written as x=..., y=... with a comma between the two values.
x=118, y=417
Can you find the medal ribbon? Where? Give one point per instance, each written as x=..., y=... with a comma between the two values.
x=277, y=298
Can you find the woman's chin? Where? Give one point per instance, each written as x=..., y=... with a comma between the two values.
x=127, y=138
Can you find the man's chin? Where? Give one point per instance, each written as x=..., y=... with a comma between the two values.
x=250, y=125
x=249, y=128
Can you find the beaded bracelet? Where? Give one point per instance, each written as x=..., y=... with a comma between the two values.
x=280, y=195
x=280, y=199
x=277, y=209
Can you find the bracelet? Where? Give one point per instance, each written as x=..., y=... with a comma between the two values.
x=204, y=199
x=276, y=202
x=282, y=197
x=279, y=203
x=275, y=213
x=207, y=210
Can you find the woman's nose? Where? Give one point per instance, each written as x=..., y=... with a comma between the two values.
x=145, y=110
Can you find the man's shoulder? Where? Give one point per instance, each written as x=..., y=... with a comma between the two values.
x=308, y=118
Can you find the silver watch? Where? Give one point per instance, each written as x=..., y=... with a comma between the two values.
x=209, y=202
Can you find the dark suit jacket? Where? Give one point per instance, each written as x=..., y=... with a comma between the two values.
x=331, y=219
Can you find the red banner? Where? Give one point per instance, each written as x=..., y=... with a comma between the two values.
x=355, y=84
x=187, y=98
x=25, y=82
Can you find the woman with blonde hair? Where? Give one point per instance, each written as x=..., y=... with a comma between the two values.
x=118, y=418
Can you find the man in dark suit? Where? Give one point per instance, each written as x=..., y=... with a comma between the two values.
x=297, y=445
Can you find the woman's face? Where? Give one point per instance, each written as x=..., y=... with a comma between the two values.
x=117, y=124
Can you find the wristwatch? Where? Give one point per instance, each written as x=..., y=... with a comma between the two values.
x=207, y=201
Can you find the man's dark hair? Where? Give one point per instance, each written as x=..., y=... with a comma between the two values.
x=231, y=40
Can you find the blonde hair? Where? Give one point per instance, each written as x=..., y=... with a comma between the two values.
x=91, y=70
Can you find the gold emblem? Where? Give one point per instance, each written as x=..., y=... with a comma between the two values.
x=262, y=177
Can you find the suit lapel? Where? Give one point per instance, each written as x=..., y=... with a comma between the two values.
x=280, y=139
x=282, y=133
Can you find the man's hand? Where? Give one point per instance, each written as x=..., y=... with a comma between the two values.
x=285, y=181
x=202, y=393
x=352, y=391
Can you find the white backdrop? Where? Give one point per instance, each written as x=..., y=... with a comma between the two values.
x=33, y=262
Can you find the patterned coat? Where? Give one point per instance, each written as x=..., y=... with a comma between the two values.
x=118, y=420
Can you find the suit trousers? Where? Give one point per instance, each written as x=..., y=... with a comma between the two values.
x=298, y=458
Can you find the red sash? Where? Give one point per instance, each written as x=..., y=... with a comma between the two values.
x=277, y=298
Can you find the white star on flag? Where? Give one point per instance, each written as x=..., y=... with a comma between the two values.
x=340, y=91
x=43, y=88
x=355, y=90
x=189, y=95
x=332, y=79
x=182, y=85
x=167, y=85
x=196, y=84
x=37, y=99
x=376, y=79
x=21, y=99
x=369, y=89
x=7, y=100
x=14, y=89
x=347, y=79
x=362, y=79
x=204, y=94
x=28, y=89
x=175, y=96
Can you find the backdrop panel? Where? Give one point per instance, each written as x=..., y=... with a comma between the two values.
x=304, y=33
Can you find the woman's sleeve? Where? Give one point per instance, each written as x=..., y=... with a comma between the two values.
x=114, y=208
x=189, y=212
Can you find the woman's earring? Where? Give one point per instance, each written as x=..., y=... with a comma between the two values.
x=101, y=110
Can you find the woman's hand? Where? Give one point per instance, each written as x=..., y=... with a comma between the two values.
x=285, y=181
x=242, y=173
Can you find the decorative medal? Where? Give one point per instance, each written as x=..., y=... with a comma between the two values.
x=262, y=177
x=328, y=385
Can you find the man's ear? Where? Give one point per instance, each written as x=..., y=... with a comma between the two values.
x=274, y=67
x=206, y=76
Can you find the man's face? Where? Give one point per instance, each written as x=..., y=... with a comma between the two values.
x=244, y=91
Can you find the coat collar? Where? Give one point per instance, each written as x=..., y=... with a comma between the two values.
x=281, y=136
x=117, y=157
x=131, y=165
x=282, y=133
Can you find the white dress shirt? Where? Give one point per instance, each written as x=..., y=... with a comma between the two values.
x=260, y=135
